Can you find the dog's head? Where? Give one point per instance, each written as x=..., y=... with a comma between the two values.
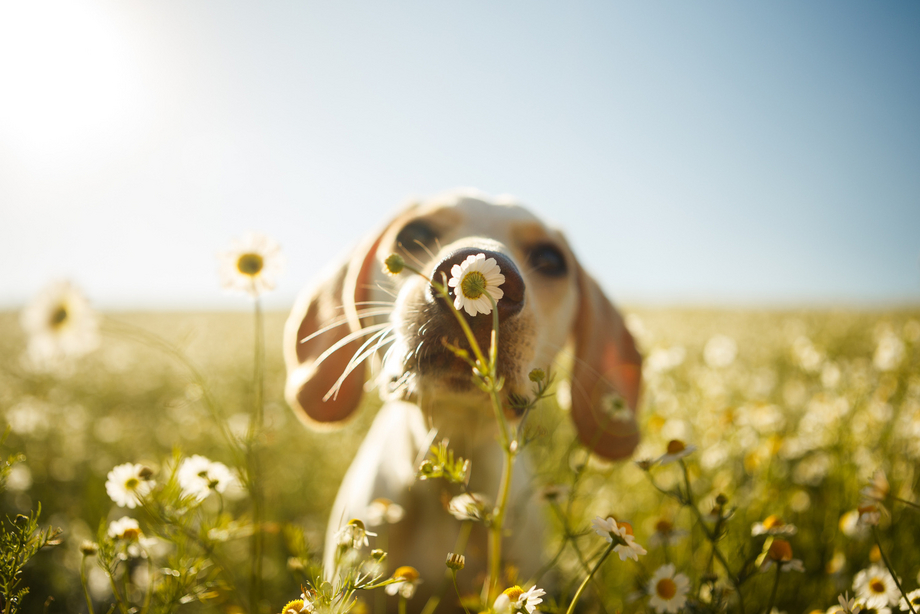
x=359, y=312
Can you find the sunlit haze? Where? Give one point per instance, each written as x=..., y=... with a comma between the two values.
x=694, y=153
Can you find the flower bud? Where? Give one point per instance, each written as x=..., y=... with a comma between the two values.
x=394, y=264
x=455, y=561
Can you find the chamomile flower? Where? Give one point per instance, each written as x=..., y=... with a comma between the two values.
x=467, y=506
x=60, y=325
x=251, y=265
x=773, y=525
x=668, y=589
x=128, y=483
x=125, y=528
x=382, y=511
x=353, y=535
x=875, y=586
x=666, y=533
x=621, y=534
x=474, y=279
x=199, y=477
x=677, y=449
x=516, y=599
x=913, y=598
x=780, y=553
x=847, y=605
x=406, y=580
x=878, y=487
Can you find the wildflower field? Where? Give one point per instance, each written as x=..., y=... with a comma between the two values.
x=778, y=470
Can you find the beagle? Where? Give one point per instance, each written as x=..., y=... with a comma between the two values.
x=359, y=313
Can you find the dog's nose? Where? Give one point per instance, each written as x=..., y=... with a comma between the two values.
x=513, y=287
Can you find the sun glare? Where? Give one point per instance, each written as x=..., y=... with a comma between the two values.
x=69, y=84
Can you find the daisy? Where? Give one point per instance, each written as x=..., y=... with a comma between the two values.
x=382, y=511
x=847, y=605
x=668, y=590
x=913, y=598
x=869, y=514
x=773, y=525
x=125, y=528
x=780, y=552
x=665, y=533
x=472, y=280
x=353, y=535
x=199, y=477
x=407, y=578
x=251, y=265
x=467, y=506
x=677, y=449
x=127, y=483
x=875, y=586
x=620, y=533
x=516, y=599
x=60, y=325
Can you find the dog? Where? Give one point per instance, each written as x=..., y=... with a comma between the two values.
x=359, y=313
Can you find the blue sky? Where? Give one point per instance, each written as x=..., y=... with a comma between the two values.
x=763, y=154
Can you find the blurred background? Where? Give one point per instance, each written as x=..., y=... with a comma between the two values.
x=703, y=153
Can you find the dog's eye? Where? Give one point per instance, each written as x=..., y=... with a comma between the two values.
x=548, y=260
x=415, y=235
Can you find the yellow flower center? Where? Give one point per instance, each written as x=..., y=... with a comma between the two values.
x=664, y=526
x=877, y=585
x=409, y=574
x=773, y=522
x=58, y=317
x=131, y=534
x=250, y=264
x=132, y=483
x=473, y=285
x=513, y=593
x=675, y=446
x=666, y=588
x=294, y=607
x=627, y=526
x=780, y=550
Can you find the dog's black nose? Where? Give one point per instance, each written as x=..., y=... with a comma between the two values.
x=512, y=288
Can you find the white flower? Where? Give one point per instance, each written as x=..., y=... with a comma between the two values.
x=382, y=511
x=620, y=533
x=889, y=352
x=677, y=449
x=60, y=325
x=353, y=535
x=127, y=483
x=847, y=605
x=875, y=587
x=199, y=477
x=773, y=525
x=252, y=264
x=913, y=597
x=668, y=589
x=720, y=351
x=407, y=579
x=467, y=506
x=125, y=528
x=516, y=599
x=472, y=280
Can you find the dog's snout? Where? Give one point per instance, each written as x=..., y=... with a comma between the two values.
x=513, y=287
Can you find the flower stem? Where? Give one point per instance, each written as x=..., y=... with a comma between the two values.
x=89, y=600
x=891, y=570
x=254, y=466
x=584, y=583
x=779, y=569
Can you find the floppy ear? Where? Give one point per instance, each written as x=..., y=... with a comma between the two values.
x=607, y=368
x=333, y=300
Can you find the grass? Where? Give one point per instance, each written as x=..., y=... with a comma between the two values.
x=794, y=425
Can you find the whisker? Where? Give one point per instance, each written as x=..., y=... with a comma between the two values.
x=352, y=365
x=363, y=313
x=348, y=339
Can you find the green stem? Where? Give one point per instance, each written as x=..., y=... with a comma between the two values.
x=252, y=449
x=89, y=601
x=584, y=583
x=891, y=570
x=779, y=569
x=453, y=575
